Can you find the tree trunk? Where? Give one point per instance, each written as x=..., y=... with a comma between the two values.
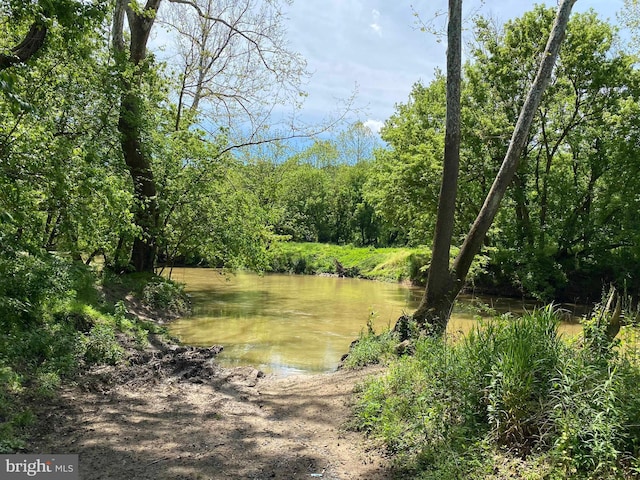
x=523, y=219
x=32, y=42
x=146, y=208
x=436, y=306
x=136, y=156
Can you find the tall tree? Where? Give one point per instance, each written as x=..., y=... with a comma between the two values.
x=552, y=235
x=440, y=282
x=130, y=123
x=225, y=39
x=445, y=281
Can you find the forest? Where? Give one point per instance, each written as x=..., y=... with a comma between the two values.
x=567, y=227
x=112, y=155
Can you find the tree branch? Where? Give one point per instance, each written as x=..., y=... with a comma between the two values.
x=21, y=53
x=230, y=27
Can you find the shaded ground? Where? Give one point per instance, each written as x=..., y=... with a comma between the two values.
x=174, y=414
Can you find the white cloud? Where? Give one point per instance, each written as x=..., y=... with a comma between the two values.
x=374, y=44
x=375, y=26
x=374, y=125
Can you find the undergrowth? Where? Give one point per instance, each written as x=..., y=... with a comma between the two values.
x=55, y=322
x=512, y=399
x=371, y=348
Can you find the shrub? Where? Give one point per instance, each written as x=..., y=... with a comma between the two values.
x=30, y=285
x=161, y=293
x=101, y=346
x=597, y=407
x=524, y=361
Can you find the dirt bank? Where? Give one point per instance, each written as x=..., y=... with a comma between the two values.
x=172, y=413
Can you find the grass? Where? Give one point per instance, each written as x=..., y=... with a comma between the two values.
x=512, y=399
x=386, y=264
x=371, y=348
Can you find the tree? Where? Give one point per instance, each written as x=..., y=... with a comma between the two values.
x=439, y=281
x=224, y=35
x=402, y=185
x=444, y=280
x=61, y=187
x=555, y=241
x=315, y=194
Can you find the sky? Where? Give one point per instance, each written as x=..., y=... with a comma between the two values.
x=375, y=48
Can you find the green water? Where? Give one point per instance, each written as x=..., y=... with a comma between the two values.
x=288, y=324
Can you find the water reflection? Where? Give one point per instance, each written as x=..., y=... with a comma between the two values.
x=287, y=323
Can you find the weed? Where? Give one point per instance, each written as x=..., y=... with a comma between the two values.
x=163, y=294
x=371, y=348
x=512, y=400
x=101, y=346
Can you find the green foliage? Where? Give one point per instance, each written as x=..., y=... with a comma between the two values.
x=317, y=194
x=55, y=323
x=30, y=286
x=371, y=348
x=420, y=412
x=404, y=182
x=166, y=295
x=523, y=356
x=566, y=225
x=101, y=345
x=596, y=405
x=510, y=400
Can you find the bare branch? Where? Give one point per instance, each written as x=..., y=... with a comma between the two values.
x=231, y=27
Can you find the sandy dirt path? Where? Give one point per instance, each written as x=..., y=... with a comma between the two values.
x=198, y=421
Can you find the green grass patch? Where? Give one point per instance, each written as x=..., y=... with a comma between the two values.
x=371, y=348
x=387, y=264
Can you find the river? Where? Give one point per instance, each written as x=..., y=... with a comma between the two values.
x=286, y=324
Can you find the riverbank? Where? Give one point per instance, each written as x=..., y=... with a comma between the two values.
x=210, y=423
x=385, y=264
x=149, y=408
x=165, y=411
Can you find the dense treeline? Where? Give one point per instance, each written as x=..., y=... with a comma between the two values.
x=568, y=225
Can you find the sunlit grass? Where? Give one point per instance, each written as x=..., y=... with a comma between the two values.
x=513, y=398
x=387, y=264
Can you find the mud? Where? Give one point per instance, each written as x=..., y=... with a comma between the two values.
x=170, y=412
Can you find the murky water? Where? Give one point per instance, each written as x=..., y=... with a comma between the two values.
x=289, y=323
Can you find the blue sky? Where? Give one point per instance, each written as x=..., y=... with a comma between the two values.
x=377, y=47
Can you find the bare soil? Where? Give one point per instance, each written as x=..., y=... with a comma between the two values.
x=172, y=413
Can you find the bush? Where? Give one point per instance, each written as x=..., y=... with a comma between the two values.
x=52, y=322
x=597, y=407
x=523, y=364
x=101, y=346
x=163, y=294
x=30, y=286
